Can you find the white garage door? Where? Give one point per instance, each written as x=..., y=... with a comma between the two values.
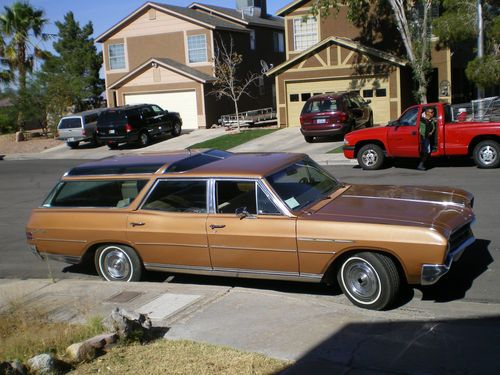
x=299, y=92
x=183, y=102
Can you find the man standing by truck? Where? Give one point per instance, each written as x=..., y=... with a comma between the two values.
x=427, y=129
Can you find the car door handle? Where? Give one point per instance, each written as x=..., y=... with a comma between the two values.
x=138, y=224
x=413, y=133
x=215, y=226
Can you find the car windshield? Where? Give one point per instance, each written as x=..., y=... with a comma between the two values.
x=303, y=183
x=316, y=106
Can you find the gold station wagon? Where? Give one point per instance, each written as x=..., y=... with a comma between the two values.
x=261, y=215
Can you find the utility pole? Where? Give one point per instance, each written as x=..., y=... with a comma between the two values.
x=480, y=41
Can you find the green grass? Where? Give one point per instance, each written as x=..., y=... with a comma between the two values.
x=337, y=150
x=226, y=142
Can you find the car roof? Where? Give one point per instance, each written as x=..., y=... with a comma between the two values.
x=188, y=163
x=85, y=113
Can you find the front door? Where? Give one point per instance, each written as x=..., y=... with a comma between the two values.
x=169, y=229
x=248, y=234
x=403, y=137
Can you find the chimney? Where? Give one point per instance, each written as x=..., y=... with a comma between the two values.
x=257, y=8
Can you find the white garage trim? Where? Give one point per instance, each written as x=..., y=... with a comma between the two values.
x=183, y=102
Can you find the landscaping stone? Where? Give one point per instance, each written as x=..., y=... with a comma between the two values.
x=13, y=368
x=81, y=352
x=100, y=341
x=43, y=364
x=20, y=137
x=128, y=325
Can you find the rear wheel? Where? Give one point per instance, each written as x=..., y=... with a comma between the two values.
x=309, y=139
x=113, y=145
x=73, y=145
x=487, y=154
x=369, y=280
x=143, y=139
x=371, y=157
x=118, y=263
x=176, y=130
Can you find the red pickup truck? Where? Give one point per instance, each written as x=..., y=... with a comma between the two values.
x=400, y=139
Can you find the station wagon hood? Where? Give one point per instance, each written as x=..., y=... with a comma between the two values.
x=442, y=208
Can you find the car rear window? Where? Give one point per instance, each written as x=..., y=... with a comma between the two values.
x=70, y=123
x=316, y=106
x=111, y=116
x=95, y=193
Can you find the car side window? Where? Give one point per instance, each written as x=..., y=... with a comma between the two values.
x=265, y=206
x=157, y=110
x=409, y=118
x=147, y=112
x=231, y=195
x=178, y=196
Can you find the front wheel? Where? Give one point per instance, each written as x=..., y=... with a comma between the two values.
x=176, y=130
x=487, y=154
x=369, y=280
x=118, y=263
x=371, y=157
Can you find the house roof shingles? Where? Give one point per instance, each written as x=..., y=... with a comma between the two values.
x=268, y=21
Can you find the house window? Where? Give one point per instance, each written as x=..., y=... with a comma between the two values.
x=252, y=39
x=294, y=97
x=367, y=93
x=305, y=34
x=278, y=42
x=197, y=48
x=116, y=56
x=380, y=92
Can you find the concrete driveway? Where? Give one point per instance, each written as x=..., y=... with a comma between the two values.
x=289, y=140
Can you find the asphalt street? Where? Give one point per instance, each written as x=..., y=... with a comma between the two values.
x=25, y=183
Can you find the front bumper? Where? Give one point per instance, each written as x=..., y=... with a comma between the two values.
x=431, y=273
x=348, y=151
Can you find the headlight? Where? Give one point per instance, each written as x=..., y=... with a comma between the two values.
x=346, y=142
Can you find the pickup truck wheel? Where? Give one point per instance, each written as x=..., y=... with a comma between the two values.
x=73, y=145
x=487, y=154
x=371, y=157
x=309, y=139
x=176, y=130
x=118, y=263
x=369, y=280
x=143, y=139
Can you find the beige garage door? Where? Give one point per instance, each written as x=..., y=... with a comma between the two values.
x=183, y=102
x=299, y=92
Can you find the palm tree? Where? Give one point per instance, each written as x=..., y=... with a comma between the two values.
x=18, y=24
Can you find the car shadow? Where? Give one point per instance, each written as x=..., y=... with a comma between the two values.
x=432, y=163
x=424, y=346
x=455, y=284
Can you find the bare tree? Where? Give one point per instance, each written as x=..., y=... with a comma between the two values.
x=228, y=83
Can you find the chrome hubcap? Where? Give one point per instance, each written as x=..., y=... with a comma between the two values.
x=487, y=154
x=369, y=157
x=144, y=138
x=361, y=280
x=117, y=264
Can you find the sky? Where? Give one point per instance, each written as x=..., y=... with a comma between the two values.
x=105, y=13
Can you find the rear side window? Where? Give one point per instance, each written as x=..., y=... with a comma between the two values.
x=178, y=196
x=70, y=123
x=315, y=106
x=91, y=118
x=95, y=193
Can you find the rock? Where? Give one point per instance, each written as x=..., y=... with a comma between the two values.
x=128, y=325
x=81, y=352
x=12, y=368
x=20, y=137
x=100, y=341
x=42, y=364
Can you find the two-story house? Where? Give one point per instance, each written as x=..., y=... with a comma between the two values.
x=329, y=53
x=164, y=54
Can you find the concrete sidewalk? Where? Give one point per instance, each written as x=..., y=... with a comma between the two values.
x=320, y=330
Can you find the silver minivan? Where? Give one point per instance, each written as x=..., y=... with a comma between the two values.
x=79, y=127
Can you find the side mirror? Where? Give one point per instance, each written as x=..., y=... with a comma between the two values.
x=393, y=123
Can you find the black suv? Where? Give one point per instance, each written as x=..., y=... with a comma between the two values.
x=136, y=123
